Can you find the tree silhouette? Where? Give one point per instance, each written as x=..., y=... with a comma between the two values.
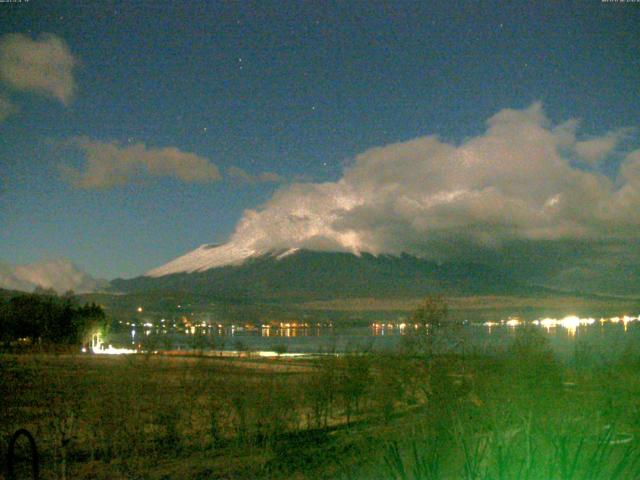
x=427, y=322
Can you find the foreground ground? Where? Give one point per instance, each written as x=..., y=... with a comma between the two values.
x=518, y=414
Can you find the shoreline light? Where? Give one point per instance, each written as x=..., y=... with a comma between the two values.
x=569, y=322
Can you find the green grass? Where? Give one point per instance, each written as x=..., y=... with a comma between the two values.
x=518, y=414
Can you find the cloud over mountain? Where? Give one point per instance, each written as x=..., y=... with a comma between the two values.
x=60, y=275
x=595, y=149
x=516, y=182
x=44, y=65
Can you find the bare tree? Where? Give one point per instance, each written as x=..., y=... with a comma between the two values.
x=428, y=321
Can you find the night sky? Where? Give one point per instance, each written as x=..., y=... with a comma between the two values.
x=133, y=132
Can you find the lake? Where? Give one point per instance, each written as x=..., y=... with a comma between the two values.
x=602, y=338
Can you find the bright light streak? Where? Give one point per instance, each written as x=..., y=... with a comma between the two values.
x=110, y=350
x=570, y=322
x=548, y=322
x=269, y=354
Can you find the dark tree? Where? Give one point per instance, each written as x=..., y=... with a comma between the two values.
x=48, y=318
x=427, y=322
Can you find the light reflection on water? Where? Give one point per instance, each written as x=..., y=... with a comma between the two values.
x=604, y=334
x=304, y=330
x=570, y=323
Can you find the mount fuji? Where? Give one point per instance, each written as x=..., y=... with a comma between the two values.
x=230, y=273
x=209, y=256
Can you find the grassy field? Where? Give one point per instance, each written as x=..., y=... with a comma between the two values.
x=518, y=414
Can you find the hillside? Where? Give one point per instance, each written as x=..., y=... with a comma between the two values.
x=307, y=275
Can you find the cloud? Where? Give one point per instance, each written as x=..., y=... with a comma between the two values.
x=595, y=149
x=44, y=65
x=60, y=275
x=243, y=176
x=6, y=109
x=269, y=177
x=109, y=164
x=630, y=169
x=515, y=182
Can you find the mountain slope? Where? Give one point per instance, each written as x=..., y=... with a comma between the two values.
x=306, y=275
x=204, y=258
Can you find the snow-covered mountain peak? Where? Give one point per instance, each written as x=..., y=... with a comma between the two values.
x=203, y=258
x=286, y=253
x=209, y=256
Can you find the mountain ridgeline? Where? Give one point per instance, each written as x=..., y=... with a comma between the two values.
x=309, y=275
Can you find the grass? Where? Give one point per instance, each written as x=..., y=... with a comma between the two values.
x=518, y=414
x=522, y=454
x=531, y=418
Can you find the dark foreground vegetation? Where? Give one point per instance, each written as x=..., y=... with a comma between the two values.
x=46, y=318
x=412, y=414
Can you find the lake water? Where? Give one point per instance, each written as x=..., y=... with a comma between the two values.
x=602, y=338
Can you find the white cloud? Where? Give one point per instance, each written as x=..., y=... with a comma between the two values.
x=6, y=109
x=630, y=168
x=269, y=177
x=60, y=275
x=424, y=196
x=44, y=65
x=244, y=176
x=595, y=149
x=109, y=164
